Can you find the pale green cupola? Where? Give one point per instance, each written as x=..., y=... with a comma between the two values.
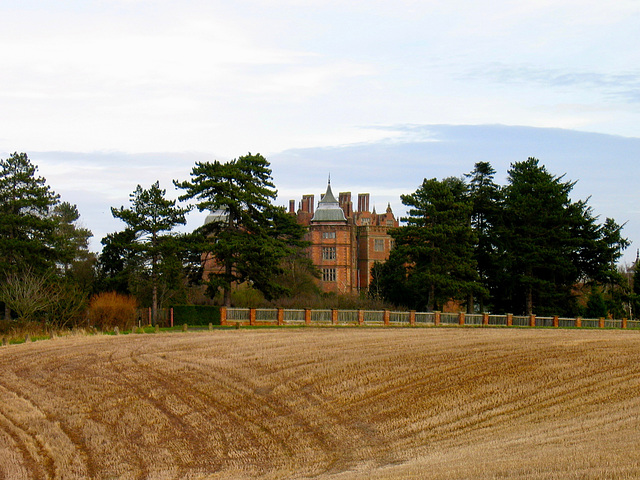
x=329, y=209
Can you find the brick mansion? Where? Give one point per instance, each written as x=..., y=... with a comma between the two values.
x=345, y=242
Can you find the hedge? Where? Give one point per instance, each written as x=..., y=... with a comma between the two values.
x=196, y=314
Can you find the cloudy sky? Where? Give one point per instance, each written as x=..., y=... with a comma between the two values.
x=107, y=94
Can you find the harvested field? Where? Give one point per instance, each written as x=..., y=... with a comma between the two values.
x=437, y=403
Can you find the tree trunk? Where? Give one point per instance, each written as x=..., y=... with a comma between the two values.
x=529, y=301
x=431, y=304
x=227, y=295
x=7, y=313
x=470, y=304
x=227, y=287
x=154, y=296
x=154, y=305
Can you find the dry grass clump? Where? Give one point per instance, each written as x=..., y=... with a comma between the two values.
x=111, y=309
x=324, y=403
x=19, y=331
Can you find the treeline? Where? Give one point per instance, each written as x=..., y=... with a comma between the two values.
x=47, y=272
x=46, y=268
x=518, y=248
x=524, y=247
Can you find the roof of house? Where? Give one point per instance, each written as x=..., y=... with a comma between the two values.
x=329, y=209
x=218, y=216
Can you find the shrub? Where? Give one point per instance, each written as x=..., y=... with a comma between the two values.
x=110, y=309
x=596, y=306
x=70, y=307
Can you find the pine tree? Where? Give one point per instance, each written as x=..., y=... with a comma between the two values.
x=117, y=262
x=433, y=255
x=486, y=198
x=26, y=224
x=596, y=306
x=247, y=237
x=546, y=244
x=635, y=289
x=150, y=219
x=71, y=240
x=536, y=241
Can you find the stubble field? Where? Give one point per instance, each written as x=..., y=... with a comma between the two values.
x=374, y=404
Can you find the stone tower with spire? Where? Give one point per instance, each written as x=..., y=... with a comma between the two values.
x=345, y=243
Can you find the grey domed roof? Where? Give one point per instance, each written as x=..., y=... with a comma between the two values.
x=328, y=209
x=219, y=216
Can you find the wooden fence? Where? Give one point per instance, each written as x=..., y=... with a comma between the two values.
x=306, y=316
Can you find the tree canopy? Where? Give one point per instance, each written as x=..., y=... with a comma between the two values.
x=432, y=261
x=150, y=220
x=26, y=224
x=546, y=243
x=246, y=237
x=39, y=236
x=521, y=248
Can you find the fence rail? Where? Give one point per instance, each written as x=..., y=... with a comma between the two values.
x=326, y=317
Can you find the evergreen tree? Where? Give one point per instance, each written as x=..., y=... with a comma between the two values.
x=392, y=280
x=546, y=244
x=596, y=306
x=432, y=261
x=486, y=199
x=297, y=273
x=71, y=240
x=536, y=241
x=150, y=219
x=635, y=288
x=248, y=237
x=117, y=262
x=26, y=224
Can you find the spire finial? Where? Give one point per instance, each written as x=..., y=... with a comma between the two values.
x=329, y=178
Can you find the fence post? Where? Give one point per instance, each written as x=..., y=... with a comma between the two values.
x=509, y=319
x=436, y=317
x=223, y=316
x=307, y=316
x=556, y=321
x=412, y=318
x=252, y=316
x=624, y=322
x=532, y=320
x=386, y=317
x=360, y=317
x=461, y=318
x=578, y=322
x=601, y=322
x=485, y=318
x=334, y=316
x=280, y=316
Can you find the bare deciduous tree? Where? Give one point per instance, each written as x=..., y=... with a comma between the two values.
x=28, y=294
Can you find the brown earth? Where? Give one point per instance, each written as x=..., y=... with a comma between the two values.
x=437, y=403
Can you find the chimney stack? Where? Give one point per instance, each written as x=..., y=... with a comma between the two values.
x=363, y=202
